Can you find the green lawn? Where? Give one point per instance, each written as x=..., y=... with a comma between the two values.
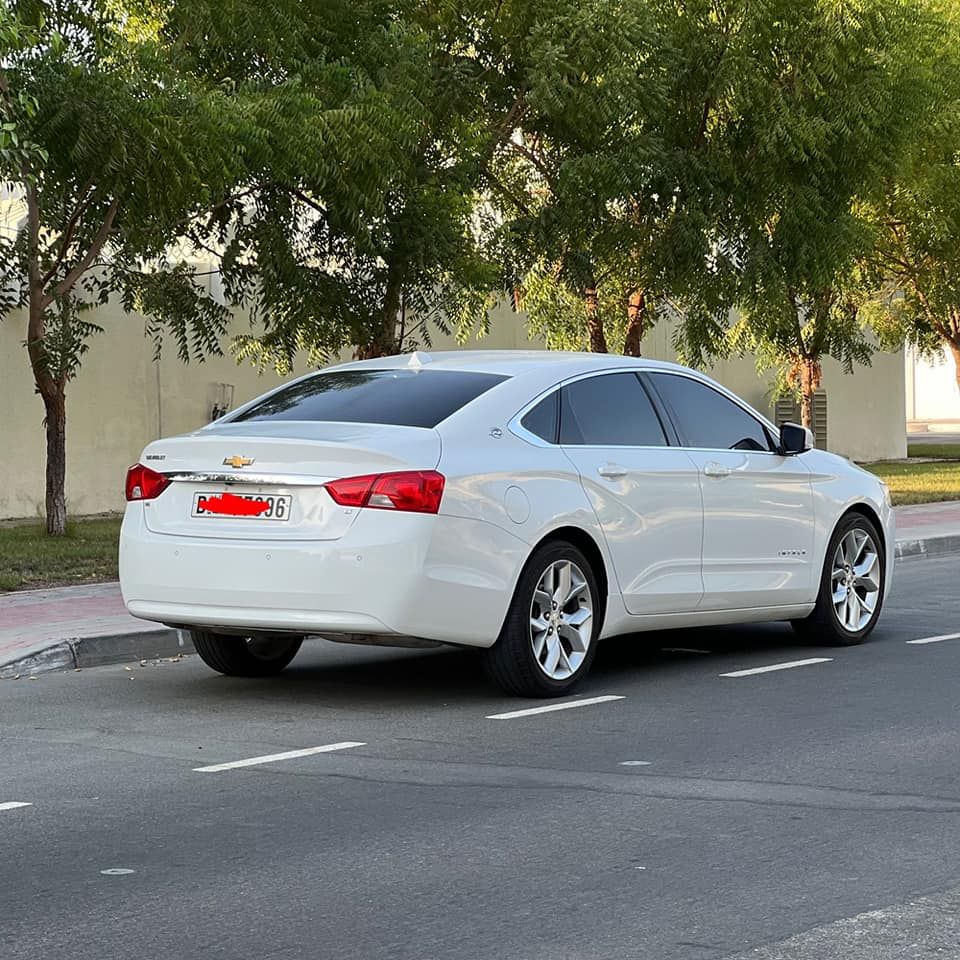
x=940, y=451
x=29, y=558
x=919, y=482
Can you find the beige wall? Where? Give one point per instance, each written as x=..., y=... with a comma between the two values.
x=121, y=400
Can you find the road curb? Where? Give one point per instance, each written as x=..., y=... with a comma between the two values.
x=99, y=651
x=927, y=547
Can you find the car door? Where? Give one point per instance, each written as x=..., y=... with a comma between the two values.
x=758, y=522
x=644, y=490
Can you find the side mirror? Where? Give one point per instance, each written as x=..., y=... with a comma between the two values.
x=794, y=439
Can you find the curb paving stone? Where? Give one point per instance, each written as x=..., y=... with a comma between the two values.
x=110, y=648
x=927, y=547
x=100, y=651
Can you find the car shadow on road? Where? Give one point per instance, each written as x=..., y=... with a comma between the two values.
x=672, y=649
x=340, y=676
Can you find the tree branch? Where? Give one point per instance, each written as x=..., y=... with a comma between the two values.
x=534, y=159
x=303, y=198
x=68, y=232
x=511, y=195
x=83, y=264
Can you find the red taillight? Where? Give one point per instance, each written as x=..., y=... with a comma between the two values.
x=413, y=491
x=144, y=483
x=351, y=491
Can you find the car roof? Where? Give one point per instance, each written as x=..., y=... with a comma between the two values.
x=509, y=362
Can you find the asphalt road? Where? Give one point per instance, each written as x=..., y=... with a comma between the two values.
x=811, y=812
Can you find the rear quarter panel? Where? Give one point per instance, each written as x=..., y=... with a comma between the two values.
x=525, y=490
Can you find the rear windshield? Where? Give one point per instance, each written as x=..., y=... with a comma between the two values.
x=407, y=398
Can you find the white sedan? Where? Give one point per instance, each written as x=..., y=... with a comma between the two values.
x=525, y=503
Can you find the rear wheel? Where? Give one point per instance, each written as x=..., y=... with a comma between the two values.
x=851, y=586
x=548, y=639
x=245, y=656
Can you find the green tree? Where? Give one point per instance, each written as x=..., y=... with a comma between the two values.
x=914, y=267
x=828, y=98
x=612, y=193
x=562, y=182
x=363, y=231
x=115, y=153
x=16, y=107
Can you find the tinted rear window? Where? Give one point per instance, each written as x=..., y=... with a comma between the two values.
x=408, y=398
x=544, y=418
x=612, y=410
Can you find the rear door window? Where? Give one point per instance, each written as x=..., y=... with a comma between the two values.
x=707, y=419
x=543, y=419
x=408, y=398
x=612, y=410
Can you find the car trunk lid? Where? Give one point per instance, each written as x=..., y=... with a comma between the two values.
x=283, y=462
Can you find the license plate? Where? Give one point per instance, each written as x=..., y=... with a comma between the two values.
x=242, y=506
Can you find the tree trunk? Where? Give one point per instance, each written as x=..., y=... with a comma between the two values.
x=636, y=315
x=382, y=341
x=954, y=346
x=55, y=424
x=52, y=391
x=810, y=374
x=591, y=306
x=806, y=408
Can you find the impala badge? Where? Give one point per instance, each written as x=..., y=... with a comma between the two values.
x=237, y=462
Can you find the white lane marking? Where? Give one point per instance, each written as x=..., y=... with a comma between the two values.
x=14, y=805
x=777, y=666
x=117, y=871
x=271, y=757
x=635, y=763
x=946, y=636
x=551, y=707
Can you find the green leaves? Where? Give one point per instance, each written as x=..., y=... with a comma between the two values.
x=17, y=106
x=362, y=173
x=914, y=264
x=827, y=104
x=115, y=151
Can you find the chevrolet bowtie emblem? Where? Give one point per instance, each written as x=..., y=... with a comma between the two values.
x=237, y=462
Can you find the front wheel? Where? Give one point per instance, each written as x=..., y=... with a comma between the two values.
x=851, y=586
x=245, y=656
x=548, y=639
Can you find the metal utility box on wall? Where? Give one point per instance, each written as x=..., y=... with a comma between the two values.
x=788, y=408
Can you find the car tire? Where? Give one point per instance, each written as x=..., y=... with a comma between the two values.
x=841, y=621
x=237, y=656
x=548, y=660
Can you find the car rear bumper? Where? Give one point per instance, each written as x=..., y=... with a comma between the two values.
x=441, y=578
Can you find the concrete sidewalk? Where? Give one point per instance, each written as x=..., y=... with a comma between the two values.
x=87, y=626
x=928, y=529
x=74, y=627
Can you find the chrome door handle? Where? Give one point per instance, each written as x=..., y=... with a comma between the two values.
x=612, y=471
x=716, y=470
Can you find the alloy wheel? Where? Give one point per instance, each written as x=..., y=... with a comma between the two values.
x=855, y=580
x=561, y=620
